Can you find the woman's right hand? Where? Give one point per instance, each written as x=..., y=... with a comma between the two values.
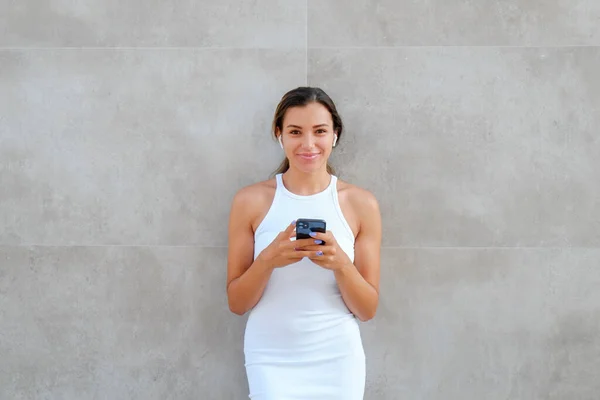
x=282, y=251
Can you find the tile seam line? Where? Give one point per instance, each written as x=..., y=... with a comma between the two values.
x=292, y=48
x=382, y=247
x=174, y=48
x=533, y=46
x=306, y=47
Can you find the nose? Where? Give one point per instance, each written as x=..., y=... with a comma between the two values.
x=308, y=141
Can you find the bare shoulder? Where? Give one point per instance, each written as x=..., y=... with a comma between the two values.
x=360, y=207
x=361, y=200
x=253, y=201
x=255, y=193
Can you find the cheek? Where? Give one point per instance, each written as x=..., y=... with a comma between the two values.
x=291, y=143
x=326, y=144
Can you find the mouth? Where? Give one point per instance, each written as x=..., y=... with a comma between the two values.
x=308, y=156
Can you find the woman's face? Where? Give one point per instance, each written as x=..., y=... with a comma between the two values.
x=307, y=136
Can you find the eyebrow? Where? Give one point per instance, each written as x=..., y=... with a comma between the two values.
x=299, y=127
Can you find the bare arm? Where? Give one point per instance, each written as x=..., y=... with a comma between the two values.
x=359, y=283
x=246, y=278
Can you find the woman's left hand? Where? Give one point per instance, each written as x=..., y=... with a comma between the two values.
x=329, y=255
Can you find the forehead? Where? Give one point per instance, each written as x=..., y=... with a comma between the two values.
x=311, y=114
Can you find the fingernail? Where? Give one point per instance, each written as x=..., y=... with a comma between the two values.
x=319, y=253
x=313, y=234
x=294, y=222
x=318, y=241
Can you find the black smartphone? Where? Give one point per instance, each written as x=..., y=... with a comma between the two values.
x=304, y=226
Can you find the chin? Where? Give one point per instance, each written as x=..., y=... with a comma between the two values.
x=308, y=168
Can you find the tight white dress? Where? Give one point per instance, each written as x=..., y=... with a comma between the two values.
x=301, y=342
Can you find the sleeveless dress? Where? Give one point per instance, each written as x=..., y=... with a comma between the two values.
x=301, y=342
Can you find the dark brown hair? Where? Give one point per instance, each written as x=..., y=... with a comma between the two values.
x=300, y=97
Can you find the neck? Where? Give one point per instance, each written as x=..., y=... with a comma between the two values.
x=306, y=183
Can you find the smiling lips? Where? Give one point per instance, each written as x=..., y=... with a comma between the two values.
x=308, y=156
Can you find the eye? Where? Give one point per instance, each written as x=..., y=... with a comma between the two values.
x=321, y=131
x=294, y=132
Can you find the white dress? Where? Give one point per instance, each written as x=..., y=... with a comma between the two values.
x=301, y=342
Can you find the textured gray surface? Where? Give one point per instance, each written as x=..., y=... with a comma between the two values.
x=453, y=22
x=472, y=146
x=203, y=23
x=500, y=324
x=116, y=322
x=134, y=146
x=118, y=160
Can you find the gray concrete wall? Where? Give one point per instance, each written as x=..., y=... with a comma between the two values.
x=126, y=127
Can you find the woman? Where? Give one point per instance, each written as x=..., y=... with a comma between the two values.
x=302, y=339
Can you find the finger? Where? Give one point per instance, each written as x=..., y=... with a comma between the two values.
x=289, y=231
x=301, y=243
x=322, y=236
x=314, y=248
x=315, y=255
x=298, y=254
